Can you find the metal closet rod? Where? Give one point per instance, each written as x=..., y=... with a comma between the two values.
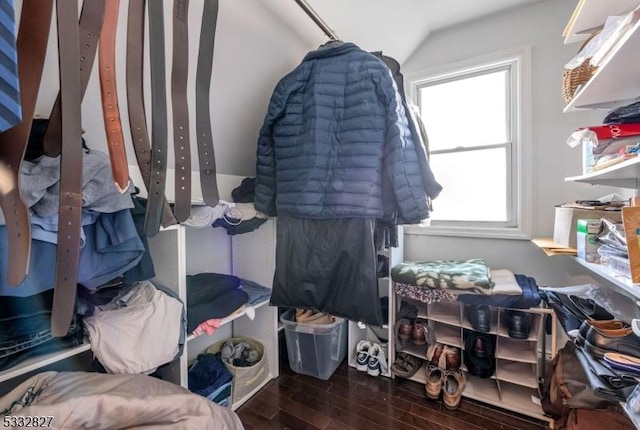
x=316, y=18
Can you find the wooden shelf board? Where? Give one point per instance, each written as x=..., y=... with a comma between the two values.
x=468, y=326
x=419, y=351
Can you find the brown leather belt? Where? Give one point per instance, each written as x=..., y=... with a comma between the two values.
x=135, y=98
x=33, y=35
x=90, y=27
x=181, y=145
x=206, y=154
x=109, y=93
x=70, y=211
x=156, y=200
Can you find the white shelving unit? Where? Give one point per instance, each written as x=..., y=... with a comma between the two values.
x=178, y=251
x=590, y=15
x=358, y=332
x=614, y=84
x=514, y=385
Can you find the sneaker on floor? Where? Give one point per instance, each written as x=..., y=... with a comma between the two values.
x=362, y=355
x=377, y=360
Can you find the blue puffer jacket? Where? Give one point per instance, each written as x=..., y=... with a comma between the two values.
x=335, y=142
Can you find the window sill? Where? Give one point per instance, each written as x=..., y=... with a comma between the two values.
x=485, y=233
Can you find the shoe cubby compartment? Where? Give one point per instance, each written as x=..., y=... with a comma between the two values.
x=411, y=348
x=445, y=312
x=520, y=398
x=517, y=372
x=481, y=389
x=534, y=326
x=467, y=324
x=517, y=350
x=446, y=334
x=373, y=335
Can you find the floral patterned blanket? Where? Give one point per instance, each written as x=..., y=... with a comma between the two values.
x=457, y=276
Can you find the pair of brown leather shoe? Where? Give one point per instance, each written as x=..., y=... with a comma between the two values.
x=444, y=356
x=450, y=382
x=416, y=332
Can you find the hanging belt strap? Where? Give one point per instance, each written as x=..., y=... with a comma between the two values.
x=181, y=145
x=31, y=44
x=90, y=27
x=156, y=201
x=206, y=154
x=70, y=211
x=135, y=98
x=109, y=93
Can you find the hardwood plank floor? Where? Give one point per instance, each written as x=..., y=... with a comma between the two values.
x=354, y=400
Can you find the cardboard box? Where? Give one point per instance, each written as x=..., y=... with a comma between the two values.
x=566, y=221
x=586, y=243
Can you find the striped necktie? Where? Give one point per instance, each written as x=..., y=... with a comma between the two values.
x=10, y=110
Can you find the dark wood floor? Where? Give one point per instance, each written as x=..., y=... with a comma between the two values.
x=354, y=400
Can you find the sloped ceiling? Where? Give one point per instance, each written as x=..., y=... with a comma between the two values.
x=398, y=27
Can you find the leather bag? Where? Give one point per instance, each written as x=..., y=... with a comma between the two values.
x=566, y=386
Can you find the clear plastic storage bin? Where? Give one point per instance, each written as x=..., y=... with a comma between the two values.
x=315, y=349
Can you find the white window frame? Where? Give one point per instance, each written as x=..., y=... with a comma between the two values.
x=520, y=181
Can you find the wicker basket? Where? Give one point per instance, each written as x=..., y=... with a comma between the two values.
x=573, y=78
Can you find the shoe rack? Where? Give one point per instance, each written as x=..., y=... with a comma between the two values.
x=519, y=363
x=380, y=335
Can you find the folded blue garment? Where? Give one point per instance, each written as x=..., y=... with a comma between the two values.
x=207, y=374
x=112, y=246
x=257, y=293
x=530, y=297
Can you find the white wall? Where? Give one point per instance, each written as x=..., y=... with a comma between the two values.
x=257, y=43
x=540, y=26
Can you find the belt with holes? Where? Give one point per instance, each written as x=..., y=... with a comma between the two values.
x=155, y=205
x=206, y=155
x=109, y=96
x=135, y=98
x=181, y=145
x=33, y=36
x=70, y=212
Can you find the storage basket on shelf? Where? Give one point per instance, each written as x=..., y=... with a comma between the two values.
x=573, y=78
x=245, y=378
x=314, y=349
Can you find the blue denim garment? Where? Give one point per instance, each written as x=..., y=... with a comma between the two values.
x=15, y=328
x=24, y=343
x=111, y=248
x=207, y=374
x=51, y=345
x=530, y=297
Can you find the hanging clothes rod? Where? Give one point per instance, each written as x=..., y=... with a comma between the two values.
x=316, y=18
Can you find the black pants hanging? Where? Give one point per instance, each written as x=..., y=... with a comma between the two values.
x=328, y=265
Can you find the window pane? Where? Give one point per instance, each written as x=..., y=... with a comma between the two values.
x=466, y=112
x=474, y=185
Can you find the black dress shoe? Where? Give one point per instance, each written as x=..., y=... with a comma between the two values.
x=600, y=341
x=599, y=325
x=480, y=317
x=518, y=324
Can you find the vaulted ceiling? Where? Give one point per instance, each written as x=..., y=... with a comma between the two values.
x=398, y=27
